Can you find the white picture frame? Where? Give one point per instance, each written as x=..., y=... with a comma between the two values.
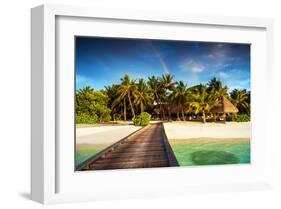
x=52, y=181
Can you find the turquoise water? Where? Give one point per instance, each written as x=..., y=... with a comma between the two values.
x=211, y=151
x=82, y=156
x=190, y=152
x=86, y=151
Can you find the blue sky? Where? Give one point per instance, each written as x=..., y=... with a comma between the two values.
x=103, y=61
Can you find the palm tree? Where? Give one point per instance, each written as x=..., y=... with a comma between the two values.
x=168, y=85
x=155, y=89
x=241, y=100
x=142, y=95
x=125, y=93
x=167, y=81
x=179, y=97
x=154, y=86
x=86, y=89
x=203, y=101
x=216, y=88
x=112, y=93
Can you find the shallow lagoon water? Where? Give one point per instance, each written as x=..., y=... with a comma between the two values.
x=206, y=151
x=86, y=151
x=190, y=152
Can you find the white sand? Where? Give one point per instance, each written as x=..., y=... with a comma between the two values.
x=103, y=134
x=186, y=130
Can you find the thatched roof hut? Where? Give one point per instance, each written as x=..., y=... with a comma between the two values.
x=172, y=108
x=225, y=107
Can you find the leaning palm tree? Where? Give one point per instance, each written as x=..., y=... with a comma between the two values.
x=241, y=100
x=125, y=93
x=203, y=101
x=143, y=95
x=179, y=97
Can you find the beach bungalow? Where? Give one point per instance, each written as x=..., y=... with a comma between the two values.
x=218, y=113
x=225, y=108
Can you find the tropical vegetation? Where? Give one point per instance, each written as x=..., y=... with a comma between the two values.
x=160, y=98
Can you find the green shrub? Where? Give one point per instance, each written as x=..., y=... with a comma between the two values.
x=142, y=119
x=92, y=106
x=105, y=118
x=102, y=112
x=84, y=118
x=238, y=118
x=242, y=118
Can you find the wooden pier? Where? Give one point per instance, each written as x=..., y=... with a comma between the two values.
x=146, y=148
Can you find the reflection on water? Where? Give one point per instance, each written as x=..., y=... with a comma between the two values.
x=206, y=157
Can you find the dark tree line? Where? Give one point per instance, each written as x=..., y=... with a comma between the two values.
x=131, y=97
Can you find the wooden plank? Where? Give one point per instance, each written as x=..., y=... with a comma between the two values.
x=140, y=148
x=143, y=154
x=130, y=165
x=130, y=159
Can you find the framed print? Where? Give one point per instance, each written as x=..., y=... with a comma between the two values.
x=132, y=104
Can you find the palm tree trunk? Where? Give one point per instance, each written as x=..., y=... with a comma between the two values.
x=182, y=113
x=163, y=113
x=178, y=112
x=204, y=117
x=169, y=112
x=178, y=115
x=141, y=106
x=125, y=118
x=131, y=105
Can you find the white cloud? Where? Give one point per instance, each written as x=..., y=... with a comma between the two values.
x=197, y=69
x=191, y=65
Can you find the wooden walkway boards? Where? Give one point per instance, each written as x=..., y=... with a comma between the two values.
x=147, y=148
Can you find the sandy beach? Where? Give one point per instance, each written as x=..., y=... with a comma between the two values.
x=174, y=130
x=103, y=134
x=186, y=130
